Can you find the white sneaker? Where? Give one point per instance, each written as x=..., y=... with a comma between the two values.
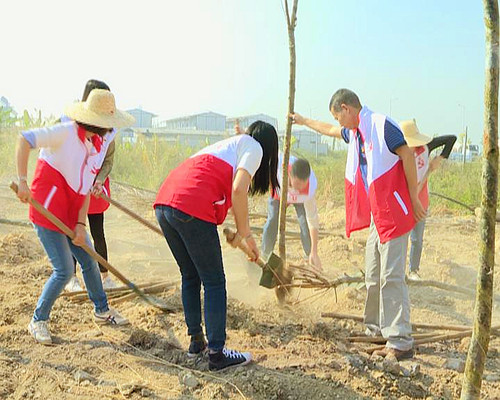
x=414, y=276
x=73, y=285
x=40, y=331
x=110, y=317
x=108, y=283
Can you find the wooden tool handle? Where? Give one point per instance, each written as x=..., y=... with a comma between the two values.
x=132, y=214
x=68, y=232
x=230, y=235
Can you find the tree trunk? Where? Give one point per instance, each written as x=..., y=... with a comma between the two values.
x=476, y=357
x=291, y=22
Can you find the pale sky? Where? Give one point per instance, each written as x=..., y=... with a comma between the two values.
x=414, y=59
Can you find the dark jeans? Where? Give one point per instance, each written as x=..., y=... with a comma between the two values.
x=271, y=227
x=196, y=248
x=96, y=224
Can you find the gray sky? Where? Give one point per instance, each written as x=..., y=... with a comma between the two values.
x=414, y=59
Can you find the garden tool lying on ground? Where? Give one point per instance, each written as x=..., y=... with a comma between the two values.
x=153, y=301
x=273, y=275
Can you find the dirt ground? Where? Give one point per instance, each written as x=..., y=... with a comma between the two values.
x=298, y=354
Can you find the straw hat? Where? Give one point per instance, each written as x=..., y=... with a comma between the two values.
x=412, y=135
x=99, y=110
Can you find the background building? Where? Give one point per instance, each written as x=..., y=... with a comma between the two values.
x=207, y=121
x=143, y=119
x=247, y=120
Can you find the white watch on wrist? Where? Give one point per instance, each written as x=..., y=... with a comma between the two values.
x=21, y=178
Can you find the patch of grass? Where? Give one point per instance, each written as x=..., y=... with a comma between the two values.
x=148, y=162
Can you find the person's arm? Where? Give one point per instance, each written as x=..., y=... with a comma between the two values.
x=410, y=168
x=241, y=183
x=22, y=156
x=107, y=166
x=80, y=232
x=446, y=140
x=322, y=127
x=313, y=224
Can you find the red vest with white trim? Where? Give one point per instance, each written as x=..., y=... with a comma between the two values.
x=388, y=198
x=65, y=174
x=98, y=205
x=422, y=162
x=201, y=186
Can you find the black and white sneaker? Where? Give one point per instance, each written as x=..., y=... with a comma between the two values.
x=197, y=345
x=227, y=358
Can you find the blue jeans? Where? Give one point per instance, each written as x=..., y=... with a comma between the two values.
x=417, y=242
x=196, y=248
x=60, y=251
x=271, y=227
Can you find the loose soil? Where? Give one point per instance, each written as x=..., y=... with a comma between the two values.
x=298, y=355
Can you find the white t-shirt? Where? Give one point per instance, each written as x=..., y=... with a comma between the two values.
x=241, y=151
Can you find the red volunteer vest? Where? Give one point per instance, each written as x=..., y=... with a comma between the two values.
x=64, y=176
x=201, y=186
x=388, y=198
x=98, y=205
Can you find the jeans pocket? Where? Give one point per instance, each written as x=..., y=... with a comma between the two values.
x=181, y=216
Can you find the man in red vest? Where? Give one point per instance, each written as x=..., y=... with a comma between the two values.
x=381, y=192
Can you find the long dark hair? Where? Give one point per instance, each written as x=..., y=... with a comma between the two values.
x=265, y=177
x=89, y=86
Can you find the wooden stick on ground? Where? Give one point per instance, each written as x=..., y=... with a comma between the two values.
x=438, y=338
x=15, y=223
x=315, y=281
x=131, y=296
x=111, y=290
x=359, y=318
x=114, y=295
x=380, y=339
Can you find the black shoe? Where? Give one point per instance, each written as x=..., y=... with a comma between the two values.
x=227, y=358
x=197, y=345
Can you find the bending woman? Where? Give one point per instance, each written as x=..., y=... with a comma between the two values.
x=97, y=205
x=192, y=201
x=70, y=156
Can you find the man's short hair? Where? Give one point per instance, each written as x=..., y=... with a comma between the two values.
x=344, y=96
x=301, y=169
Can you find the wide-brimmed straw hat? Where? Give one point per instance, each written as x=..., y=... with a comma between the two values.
x=412, y=135
x=99, y=110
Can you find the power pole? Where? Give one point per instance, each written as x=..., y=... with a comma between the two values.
x=465, y=145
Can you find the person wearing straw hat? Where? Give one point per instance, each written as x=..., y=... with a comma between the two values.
x=70, y=155
x=422, y=145
x=97, y=205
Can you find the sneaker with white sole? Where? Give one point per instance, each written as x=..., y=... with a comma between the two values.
x=40, y=331
x=227, y=358
x=73, y=285
x=110, y=317
x=414, y=276
x=108, y=283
